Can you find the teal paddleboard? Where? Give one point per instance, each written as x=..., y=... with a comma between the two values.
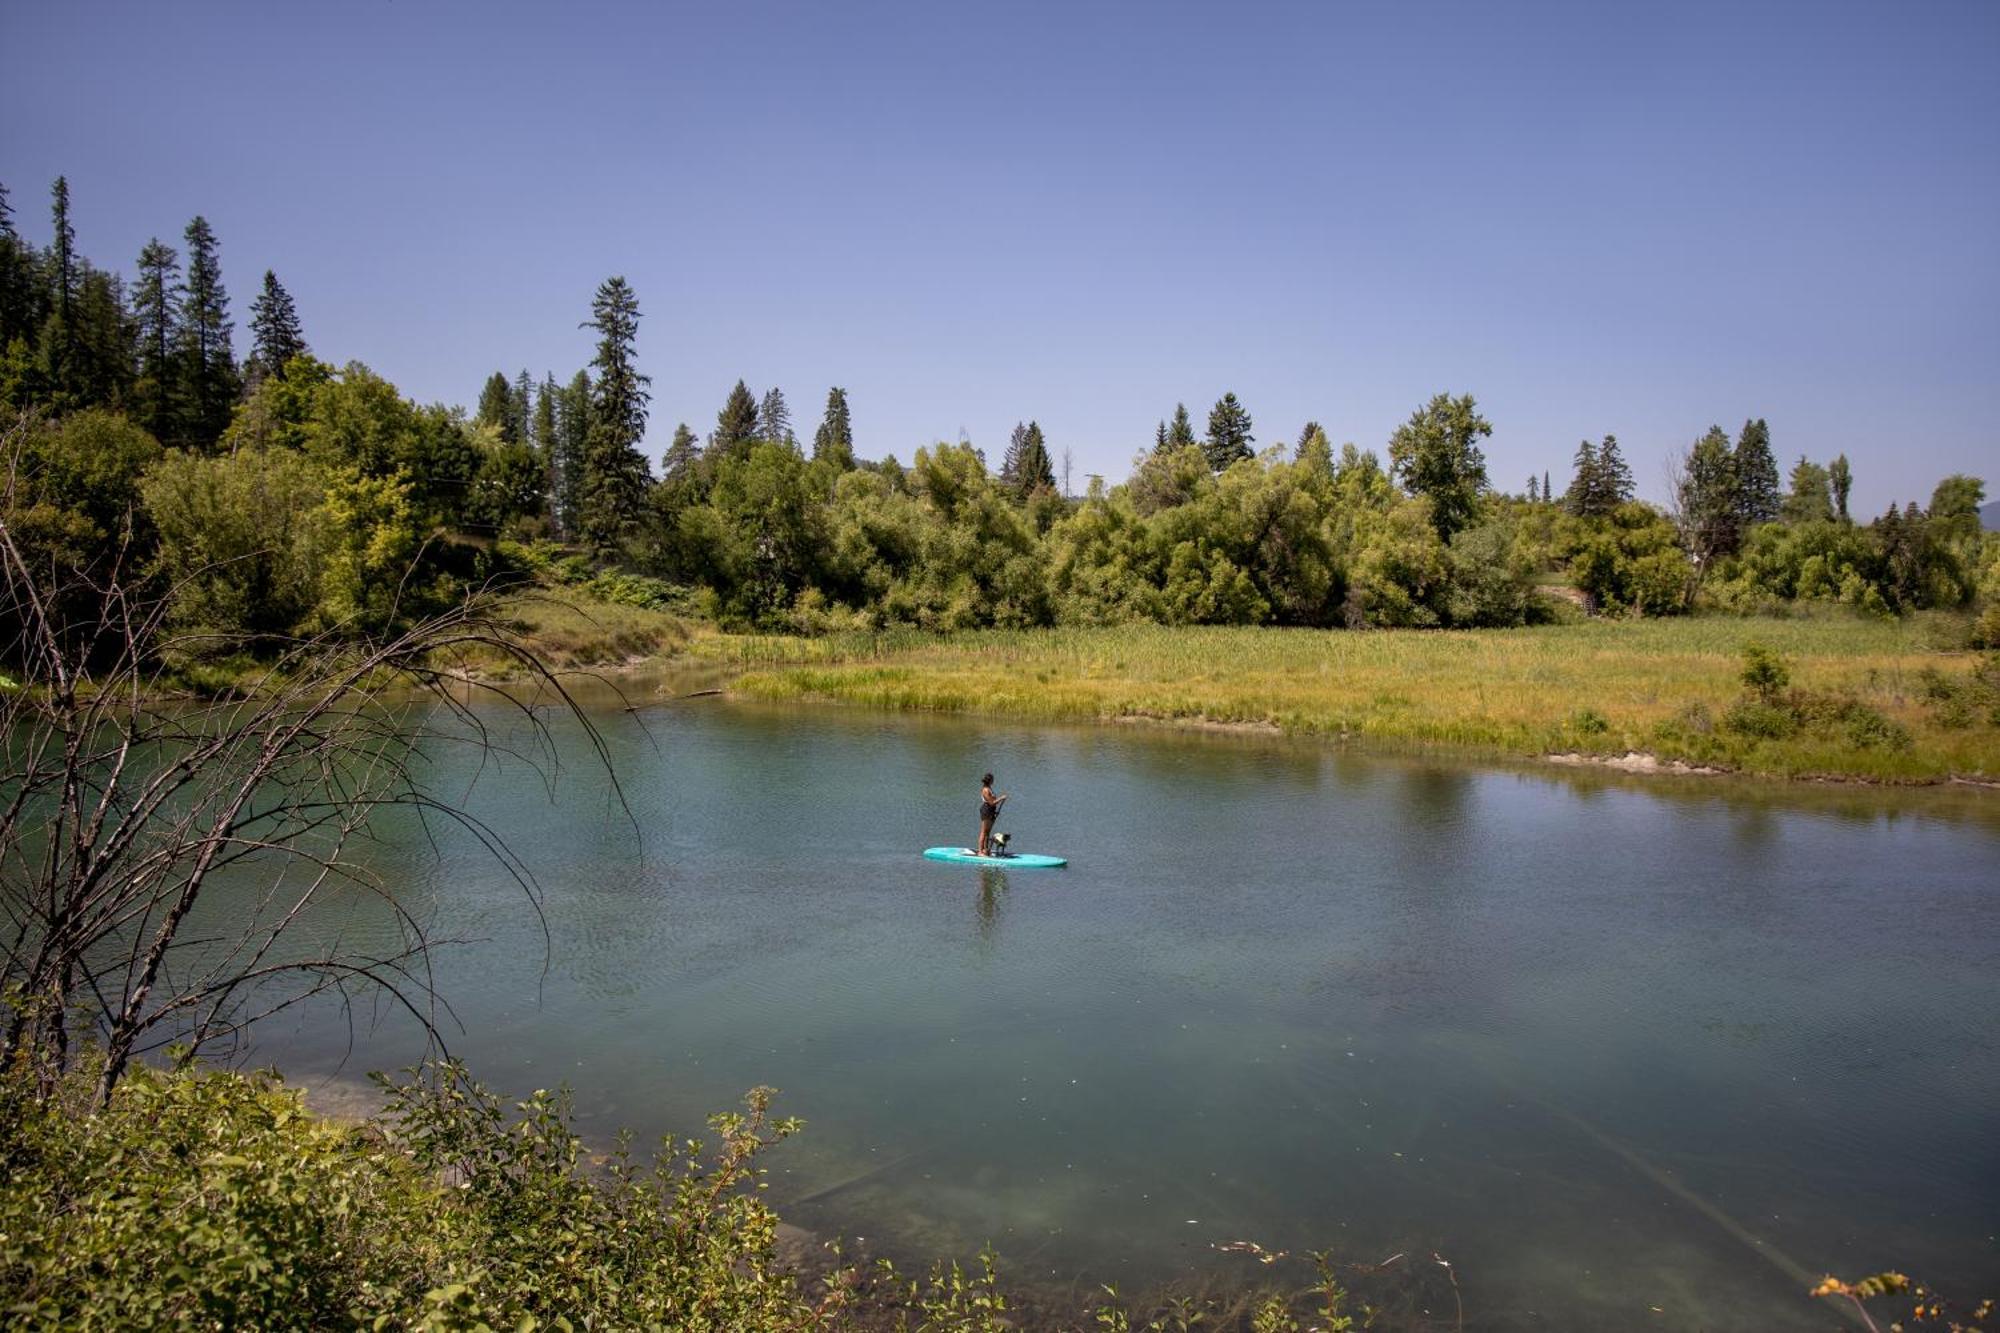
x=965, y=856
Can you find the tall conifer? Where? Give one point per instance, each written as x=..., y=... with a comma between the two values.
x=1229, y=437
x=59, y=335
x=735, y=424
x=682, y=455
x=275, y=335
x=155, y=305
x=1180, y=432
x=496, y=405
x=208, y=362
x=1756, y=469
x=834, y=441
x=1034, y=470
x=614, y=474
x=774, y=417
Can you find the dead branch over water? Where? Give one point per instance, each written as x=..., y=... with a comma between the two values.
x=121, y=803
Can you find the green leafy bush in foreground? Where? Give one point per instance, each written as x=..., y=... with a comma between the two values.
x=213, y=1199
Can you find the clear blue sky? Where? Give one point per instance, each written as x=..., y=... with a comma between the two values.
x=1595, y=217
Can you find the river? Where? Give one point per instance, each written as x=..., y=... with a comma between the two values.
x=1625, y=1052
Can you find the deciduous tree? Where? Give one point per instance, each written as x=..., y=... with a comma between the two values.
x=1436, y=454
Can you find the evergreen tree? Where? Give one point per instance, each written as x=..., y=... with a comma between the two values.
x=1614, y=477
x=1547, y=494
x=1534, y=488
x=834, y=441
x=521, y=407
x=1306, y=433
x=1180, y=432
x=1810, y=496
x=682, y=455
x=1034, y=470
x=1010, y=462
x=59, y=334
x=1229, y=437
x=1757, y=494
x=774, y=417
x=208, y=362
x=566, y=462
x=614, y=471
x=1705, y=500
x=156, y=308
x=1160, y=437
x=1436, y=453
x=20, y=293
x=545, y=439
x=496, y=405
x=1581, y=498
x=1840, y=478
x=275, y=335
x=106, y=345
x=735, y=424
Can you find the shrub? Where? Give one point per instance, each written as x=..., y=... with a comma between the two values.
x=1764, y=671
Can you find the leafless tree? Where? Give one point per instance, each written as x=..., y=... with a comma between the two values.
x=122, y=802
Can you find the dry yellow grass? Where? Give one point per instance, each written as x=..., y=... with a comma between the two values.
x=1604, y=687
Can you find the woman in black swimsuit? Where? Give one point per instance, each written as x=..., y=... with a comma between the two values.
x=989, y=810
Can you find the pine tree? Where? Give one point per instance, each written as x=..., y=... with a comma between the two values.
x=834, y=441
x=1581, y=497
x=1160, y=437
x=59, y=334
x=682, y=455
x=545, y=440
x=567, y=461
x=275, y=336
x=156, y=308
x=1705, y=500
x=774, y=417
x=614, y=471
x=1180, y=433
x=20, y=293
x=208, y=362
x=1614, y=478
x=1841, y=479
x=1034, y=470
x=1010, y=462
x=735, y=424
x=521, y=407
x=1306, y=433
x=106, y=339
x=496, y=405
x=1809, y=499
x=1757, y=494
x=1229, y=437
x=1534, y=488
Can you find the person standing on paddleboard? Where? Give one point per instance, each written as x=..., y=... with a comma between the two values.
x=989, y=810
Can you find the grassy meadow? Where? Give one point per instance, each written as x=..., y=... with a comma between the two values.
x=1875, y=700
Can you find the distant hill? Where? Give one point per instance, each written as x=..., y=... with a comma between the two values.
x=1989, y=516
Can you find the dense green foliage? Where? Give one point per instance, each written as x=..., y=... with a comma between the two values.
x=216, y=1200
x=285, y=495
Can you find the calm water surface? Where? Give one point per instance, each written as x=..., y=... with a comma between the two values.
x=1627, y=1054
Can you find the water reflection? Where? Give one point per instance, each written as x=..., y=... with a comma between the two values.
x=1283, y=992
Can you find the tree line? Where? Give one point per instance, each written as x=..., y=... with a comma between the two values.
x=282, y=494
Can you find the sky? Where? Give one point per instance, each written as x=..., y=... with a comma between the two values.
x=1628, y=219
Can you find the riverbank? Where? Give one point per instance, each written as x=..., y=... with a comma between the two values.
x=1868, y=700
